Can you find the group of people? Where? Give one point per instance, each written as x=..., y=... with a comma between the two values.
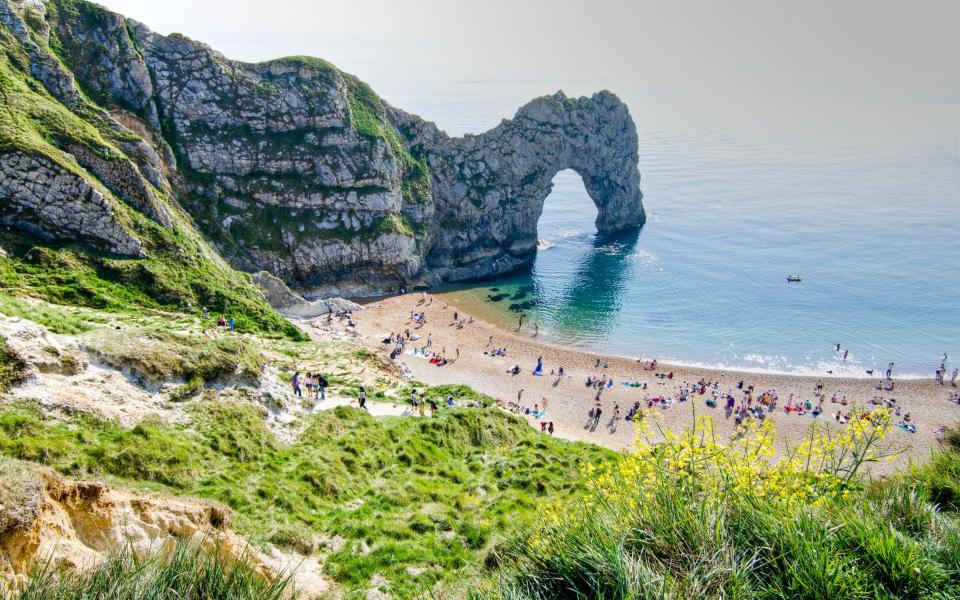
x=741, y=404
x=941, y=373
x=223, y=322
x=315, y=383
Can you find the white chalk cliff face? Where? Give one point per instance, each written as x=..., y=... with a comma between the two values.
x=292, y=166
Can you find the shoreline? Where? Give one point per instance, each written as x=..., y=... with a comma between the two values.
x=569, y=399
x=473, y=306
x=498, y=319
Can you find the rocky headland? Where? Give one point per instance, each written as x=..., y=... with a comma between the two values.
x=290, y=166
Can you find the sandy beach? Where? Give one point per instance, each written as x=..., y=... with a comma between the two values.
x=569, y=400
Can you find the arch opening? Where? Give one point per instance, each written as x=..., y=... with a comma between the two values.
x=568, y=211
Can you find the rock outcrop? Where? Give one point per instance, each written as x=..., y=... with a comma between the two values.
x=296, y=168
x=45, y=518
x=52, y=203
x=489, y=189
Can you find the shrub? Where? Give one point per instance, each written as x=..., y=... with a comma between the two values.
x=13, y=368
x=688, y=516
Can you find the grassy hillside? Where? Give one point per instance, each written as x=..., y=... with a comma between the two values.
x=416, y=501
x=692, y=519
x=180, y=272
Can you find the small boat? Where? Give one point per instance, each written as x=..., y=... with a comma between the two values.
x=793, y=278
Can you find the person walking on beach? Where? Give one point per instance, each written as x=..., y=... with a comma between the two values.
x=890, y=371
x=519, y=322
x=597, y=411
x=543, y=402
x=550, y=428
x=615, y=419
x=519, y=396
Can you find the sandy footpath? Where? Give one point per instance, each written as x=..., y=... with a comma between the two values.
x=569, y=399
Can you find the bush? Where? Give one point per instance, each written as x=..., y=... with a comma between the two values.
x=13, y=369
x=691, y=517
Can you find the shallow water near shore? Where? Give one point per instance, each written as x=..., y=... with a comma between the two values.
x=704, y=282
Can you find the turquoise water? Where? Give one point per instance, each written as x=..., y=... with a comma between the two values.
x=704, y=282
x=855, y=189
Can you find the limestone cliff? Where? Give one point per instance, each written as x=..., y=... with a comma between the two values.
x=289, y=166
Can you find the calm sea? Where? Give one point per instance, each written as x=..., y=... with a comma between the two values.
x=860, y=199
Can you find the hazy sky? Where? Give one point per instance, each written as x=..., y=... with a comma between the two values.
x=871, y=63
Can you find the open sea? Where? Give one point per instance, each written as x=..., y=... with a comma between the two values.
x=860, y=196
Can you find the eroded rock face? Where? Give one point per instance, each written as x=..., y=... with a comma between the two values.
x=73, y=525
x=296, y=168
x=52, y=203
x=490, y=188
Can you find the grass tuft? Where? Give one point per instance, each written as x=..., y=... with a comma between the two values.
x=186, y=572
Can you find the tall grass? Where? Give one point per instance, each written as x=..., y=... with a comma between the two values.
x=185, y=573
x=671, y=533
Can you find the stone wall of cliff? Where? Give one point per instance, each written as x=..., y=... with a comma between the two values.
x=289, y=166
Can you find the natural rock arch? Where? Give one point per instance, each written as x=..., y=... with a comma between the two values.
x=490, y=188
x=293, y=166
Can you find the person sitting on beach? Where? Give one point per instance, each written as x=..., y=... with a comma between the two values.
x=514, y=370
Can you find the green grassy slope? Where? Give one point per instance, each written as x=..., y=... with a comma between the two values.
x=418, y=501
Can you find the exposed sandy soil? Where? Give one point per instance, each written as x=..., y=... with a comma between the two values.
x=569, y=400
x=73, y=524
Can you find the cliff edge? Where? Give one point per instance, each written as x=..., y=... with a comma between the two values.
x=289, y=166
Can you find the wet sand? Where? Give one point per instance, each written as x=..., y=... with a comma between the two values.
x=569, y=399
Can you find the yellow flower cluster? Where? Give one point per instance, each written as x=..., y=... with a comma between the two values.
x=696, y=462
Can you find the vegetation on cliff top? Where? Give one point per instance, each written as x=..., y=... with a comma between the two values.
x=369, y=118
x=170, y=280
x=417, y=501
